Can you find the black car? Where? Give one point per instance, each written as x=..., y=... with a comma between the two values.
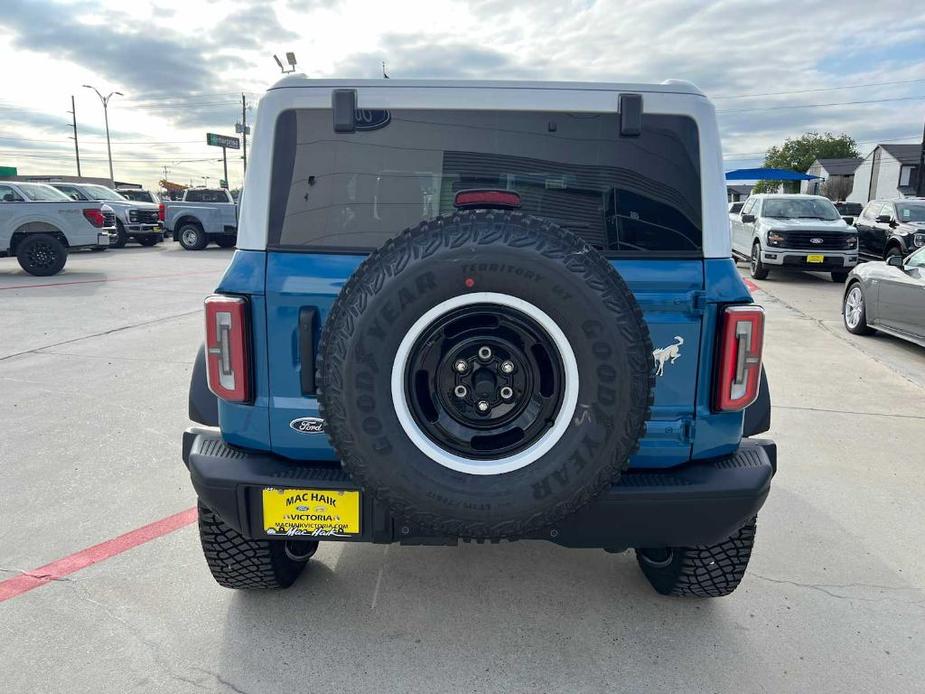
x=891, y=227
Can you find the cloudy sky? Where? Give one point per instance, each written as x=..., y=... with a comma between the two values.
x=774, y=69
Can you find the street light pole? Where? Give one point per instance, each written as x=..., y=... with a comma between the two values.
x=105, y=101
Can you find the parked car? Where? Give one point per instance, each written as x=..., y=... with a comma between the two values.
x=203, y=216
x=887, y=296
x=795, y=232
x=432, y=331
x=39, y=225
x=135, y=221
x=891, y=227
x=849, y=211
x=139, y=195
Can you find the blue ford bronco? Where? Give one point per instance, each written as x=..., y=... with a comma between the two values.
x=482, y=311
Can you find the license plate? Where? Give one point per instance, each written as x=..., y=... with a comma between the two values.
x=311, y=512
x=815, y=259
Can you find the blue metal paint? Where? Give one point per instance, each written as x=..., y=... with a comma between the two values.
x=678, y=298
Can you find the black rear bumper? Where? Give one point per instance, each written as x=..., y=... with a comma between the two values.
x=699, y=503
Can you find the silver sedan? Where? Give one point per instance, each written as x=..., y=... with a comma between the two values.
x=888, y=297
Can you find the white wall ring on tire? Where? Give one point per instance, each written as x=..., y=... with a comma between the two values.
x=511, y=462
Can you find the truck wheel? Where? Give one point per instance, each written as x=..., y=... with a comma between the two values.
x=700, y=572
x=121, y=236
x=485, y=399
x=758, y=270
x=236, y=562
x=148, y=240
x=192, y=237
x=226, y=242
x=854, y=311
x=41, y=255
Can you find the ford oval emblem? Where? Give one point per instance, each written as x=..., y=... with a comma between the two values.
x=371, y=119
x=815, y=240
x=308, y=425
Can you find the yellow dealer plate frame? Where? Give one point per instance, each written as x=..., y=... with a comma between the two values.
x=815, y=259
x=311, y=512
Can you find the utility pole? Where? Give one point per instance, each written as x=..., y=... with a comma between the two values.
x=105, y=100
x=225, y=160
x=920, y=182
x=73, y=113
x=243, y=131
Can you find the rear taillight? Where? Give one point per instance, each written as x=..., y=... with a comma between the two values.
x=227, y=352
x=160, y=212
x=95, y=217
x=739, y=358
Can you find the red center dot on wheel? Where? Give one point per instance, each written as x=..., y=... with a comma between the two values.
x=470, y=283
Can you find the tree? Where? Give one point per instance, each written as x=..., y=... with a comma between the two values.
x=799, y=153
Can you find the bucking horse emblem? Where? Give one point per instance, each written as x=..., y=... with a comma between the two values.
x=669, y=354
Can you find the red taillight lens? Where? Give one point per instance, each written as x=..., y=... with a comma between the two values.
x=739, y=359
x=160, y=212
x=486, y=198
x=95, y=217
x=227, y=352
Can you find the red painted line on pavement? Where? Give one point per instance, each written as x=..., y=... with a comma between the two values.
x=65, y=566
x=109, y=279
x=752, y=287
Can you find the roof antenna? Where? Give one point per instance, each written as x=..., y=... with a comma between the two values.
x=385, y=75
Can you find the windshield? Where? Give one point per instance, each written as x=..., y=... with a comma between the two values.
x=799, y=208
x=137, y=195
x=102, y=193
x=910, y=211
x=39, y=192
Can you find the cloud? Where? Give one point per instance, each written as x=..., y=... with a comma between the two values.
x=251, y=27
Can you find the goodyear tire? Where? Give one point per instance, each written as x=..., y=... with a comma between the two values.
x=485, y=374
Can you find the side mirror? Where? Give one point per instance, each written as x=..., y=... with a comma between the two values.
x=748, y=218
x=9, y=198
x=883, y=219
x=895, y=261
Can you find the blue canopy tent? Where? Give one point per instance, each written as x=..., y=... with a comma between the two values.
x=768, y=175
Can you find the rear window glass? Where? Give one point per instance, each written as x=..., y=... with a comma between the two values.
x=354, y=191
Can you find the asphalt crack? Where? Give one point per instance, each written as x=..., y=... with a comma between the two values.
x=829, y=588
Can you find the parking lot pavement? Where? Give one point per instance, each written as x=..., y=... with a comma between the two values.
x=93, y=379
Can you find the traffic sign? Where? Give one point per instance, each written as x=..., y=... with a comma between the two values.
x=223, y=141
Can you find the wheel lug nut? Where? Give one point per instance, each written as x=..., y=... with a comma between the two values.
x=484, y=352
x=460, y=391
x=507, y=367
x=461, y=366
x=482, y=406
x=506, y=393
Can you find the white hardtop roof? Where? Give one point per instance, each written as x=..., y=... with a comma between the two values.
x=666, y=87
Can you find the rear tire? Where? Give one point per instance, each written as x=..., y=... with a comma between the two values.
x=121, y=236
x=758, y=270
x=192, y=237
x=41, y=255
x=239, y=563
x=701, y=572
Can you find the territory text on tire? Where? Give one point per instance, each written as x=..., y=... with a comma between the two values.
x=485, y=374
x=41, y=255
x=702, y=572
x=236, y=562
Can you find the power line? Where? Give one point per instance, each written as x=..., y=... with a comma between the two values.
x=822, y=89
x=837, y=103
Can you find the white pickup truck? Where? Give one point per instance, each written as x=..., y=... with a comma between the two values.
x=39, y=225
x=202, y=216
x=135, y=221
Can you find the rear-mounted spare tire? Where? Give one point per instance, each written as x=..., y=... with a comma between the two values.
x=485, y=374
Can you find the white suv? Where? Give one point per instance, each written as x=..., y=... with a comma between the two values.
x=797, y=232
